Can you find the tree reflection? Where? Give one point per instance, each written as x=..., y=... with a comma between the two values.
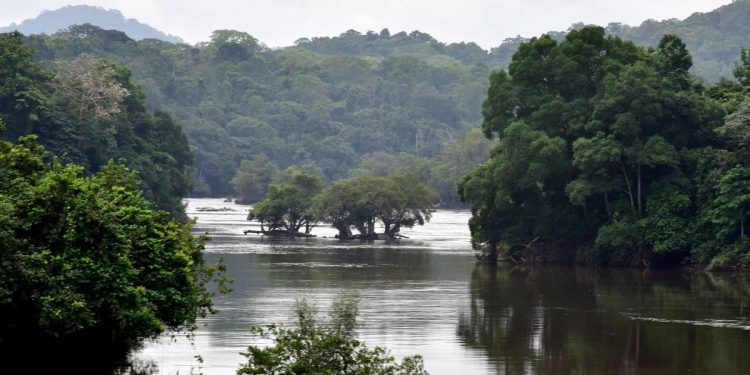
x=558, y=321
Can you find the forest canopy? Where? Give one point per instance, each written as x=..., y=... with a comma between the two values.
x=611, y=153
x=88, y=111
x=89, y=266
x=239, y=101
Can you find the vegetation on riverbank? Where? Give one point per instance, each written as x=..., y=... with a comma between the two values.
x=95, y=255
x=610, y=153
x=88, y=265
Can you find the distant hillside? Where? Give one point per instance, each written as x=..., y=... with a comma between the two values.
x=52, y=21
x=237, y=100
x=714, y=39
x=338, y=103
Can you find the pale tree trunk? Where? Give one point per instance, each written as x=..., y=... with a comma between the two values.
x=606, y=203
x=640, y=189
x=742, y=224
x=629, y=191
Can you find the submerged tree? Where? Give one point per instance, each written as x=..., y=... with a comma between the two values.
x=286, y=209
x=397, y=201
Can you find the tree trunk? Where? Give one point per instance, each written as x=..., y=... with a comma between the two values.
x=279, y=233
x=629, y=190
x=344, y=231
x=387, y=227
x=491, y=256
x=640, y=206
x=742, y=224
x=606, y=203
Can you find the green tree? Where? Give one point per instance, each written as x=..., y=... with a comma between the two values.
x=742, y=67
x=732, y=204
x=600, y=132
x=287, y=208
x=396, y=201
x=410, y=206
x=253, y=178
x=88, y=264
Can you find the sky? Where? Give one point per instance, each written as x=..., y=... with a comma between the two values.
x=279, y=23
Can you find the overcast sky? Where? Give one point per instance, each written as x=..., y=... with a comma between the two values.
x=280, y=22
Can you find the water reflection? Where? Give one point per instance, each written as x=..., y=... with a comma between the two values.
x=558, y=321
x=426, y=295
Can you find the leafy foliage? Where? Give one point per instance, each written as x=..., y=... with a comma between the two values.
x=252, y=179
x=90, y=112
x=620, y=142
x=397, y=201
x=313, y=103
x=317, y=347
x=288, y=206
x=87, y=262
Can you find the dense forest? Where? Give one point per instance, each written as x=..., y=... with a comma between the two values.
x=94, y=257
x=88, y=111
x=358, y=103
x=612, y=153
x=238, y=100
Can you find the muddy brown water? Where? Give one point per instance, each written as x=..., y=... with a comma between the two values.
x=427, y=295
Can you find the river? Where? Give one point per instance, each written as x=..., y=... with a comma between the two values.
x=427, y=295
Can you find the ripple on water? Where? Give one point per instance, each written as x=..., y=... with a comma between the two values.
x=742, y=324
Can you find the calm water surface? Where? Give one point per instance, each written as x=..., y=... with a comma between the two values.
x=426, y=295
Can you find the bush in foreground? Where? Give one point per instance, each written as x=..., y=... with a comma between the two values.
x=320, y=347
x=87, y=264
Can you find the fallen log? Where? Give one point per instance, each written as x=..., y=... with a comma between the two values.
x=374, y=236
x=278, y=233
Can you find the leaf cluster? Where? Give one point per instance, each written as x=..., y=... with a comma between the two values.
x=319, y=347
x=611, y=148
x=87, y=263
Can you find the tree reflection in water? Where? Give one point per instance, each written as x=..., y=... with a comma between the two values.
x=563, y=320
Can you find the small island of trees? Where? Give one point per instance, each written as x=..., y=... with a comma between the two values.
x=293, y=208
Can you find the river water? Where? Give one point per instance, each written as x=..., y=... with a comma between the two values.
x=427, y=295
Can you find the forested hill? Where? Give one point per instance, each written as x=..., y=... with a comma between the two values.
x=415, y=43
x=713, y=38
x=52, y=21
x=237, y=100
x=89, y=112
x=345, y=104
